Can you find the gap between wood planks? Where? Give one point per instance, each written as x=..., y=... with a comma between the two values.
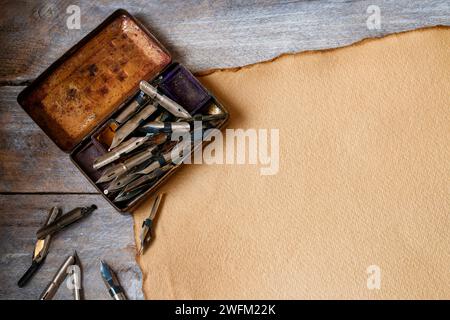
x=15, y=83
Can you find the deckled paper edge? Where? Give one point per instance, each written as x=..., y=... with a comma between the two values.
x=363, y=41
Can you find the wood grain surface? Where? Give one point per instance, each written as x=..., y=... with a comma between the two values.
x=30, y=161
x=104, y=234
x=35, y=174
x=206, y=34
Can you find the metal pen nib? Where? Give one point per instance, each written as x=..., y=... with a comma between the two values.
x=146, y=232
x=75, y=273
x=124, y=179
x=166, y=127
x=126, y=165
x=146, y=178
x=65, y=220
x=174, y=156
x=145, y=182
x=111, y=282
x=181, y=126
x=209, y=117
x=123, y=149
x=52, y=287
x=171, y=127
x=77, y=287
x=140, y=101
x=123, y=196
x=120, y=182
x=164, y=101
x=125, y=130
x=40, y=249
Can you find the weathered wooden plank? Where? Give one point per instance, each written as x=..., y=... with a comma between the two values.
x=29, y=160
x=206, y=34
x=202, y=35
x=105, y=234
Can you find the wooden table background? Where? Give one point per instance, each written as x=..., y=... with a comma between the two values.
x=35, y=174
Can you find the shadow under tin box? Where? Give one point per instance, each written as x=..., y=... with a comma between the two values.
x=76, y=100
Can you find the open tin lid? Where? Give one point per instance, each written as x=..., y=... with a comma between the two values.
x=86, y=85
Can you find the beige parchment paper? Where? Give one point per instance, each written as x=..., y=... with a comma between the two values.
x=364, y=179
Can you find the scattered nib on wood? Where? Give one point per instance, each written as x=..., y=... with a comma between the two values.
x=65, y=220
x=40, y=249
x=111, y=282
x=61, y=274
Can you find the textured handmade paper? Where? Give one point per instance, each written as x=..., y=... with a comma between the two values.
x=364, y=180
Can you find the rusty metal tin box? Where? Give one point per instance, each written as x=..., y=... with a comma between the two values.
x=84, y=89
